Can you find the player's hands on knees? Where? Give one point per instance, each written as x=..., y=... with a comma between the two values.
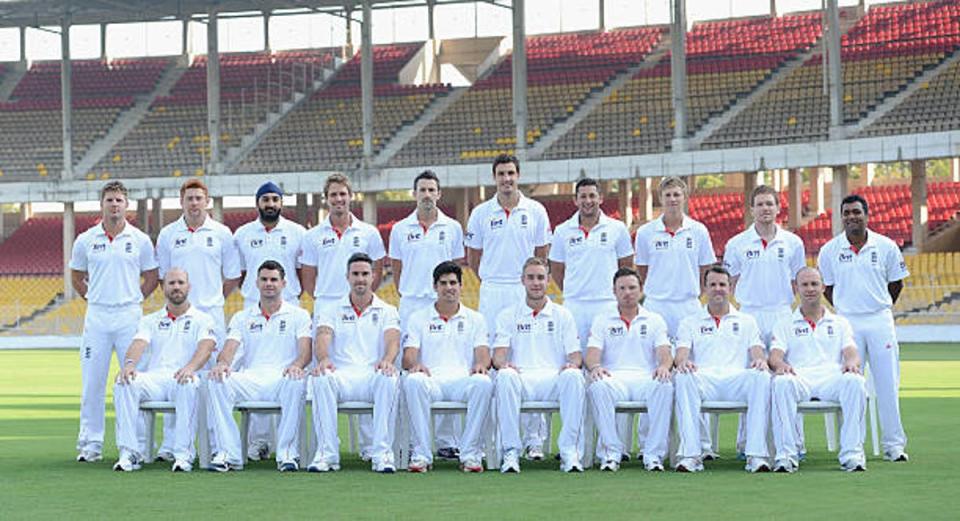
x=784, y=369
x=324, y=366
x=420, y=368
x=851, y=367
x=184, y=376
x=508, y=365
x=569, y=365
x=686, y=366
x=760, y=364
x=386, y=367
x=127, y=374
x=220, y=372
x=599, y=373
x=662, y=374
x=479, y=369
x=295, y=372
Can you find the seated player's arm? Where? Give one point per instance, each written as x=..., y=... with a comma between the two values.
x=758, y=358
x=186, y=373
x=682, y=361
x=557, y=271
x=225, y=360
x=778, y=363
x=625, y=262
x=574, y=360
x=150, y=280
x=828, y=294
x=295, y=370
x=851, y=359
x=642, y=270
x=542, y=251
x=473, y=260
x=321, y=350
x=411, y=359
x=501, y=355
x=78, y=279
x=128, y=371
x=391, y=343
x=481, y=360
x=592, y=362
x=665, y=364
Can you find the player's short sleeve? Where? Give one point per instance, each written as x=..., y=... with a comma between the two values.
x=309, y=253
x=304, y=324
x=148, y=258
x=375, y=248
x=751, y=335
x=163, y=251
x=641, y=249
x=542, y=230
x=597, y=333
x=325, y=316
x=413, y=335
x=780, y=336
x=144, y=329
x=706, y=253
x=731, y=258
x=396, y=245
x=658, y=331
x=825, y=263
x=474, y=236
x=232, y=264
x=685, y=333
x=481, y=338
x=798, y=257
x=571, y=337
x=391, y=318
x=206, y=330
x=456, y=242
x=78, y=257
x=558, y=249
x=235, y=329
x=505, y=329
x=896, y=266
x=623, y=246
x=846, y=334
x=238, y=240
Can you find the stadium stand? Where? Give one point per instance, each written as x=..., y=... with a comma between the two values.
x=327, y=131
x=173, y=139
x=725, y=61
x=562, y=70
x=881, y=54
x=932, y=292
x=935, y=107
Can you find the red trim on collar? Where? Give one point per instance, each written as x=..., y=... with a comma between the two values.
x=264, y=314
x=716, y=319
x=625, y=322
x=356, y=310
x=586, y=232
x=507, y=212
x=171, y=317
x=764, y=242
x=813, y=325
x=424, y=227
x=338, y=232
x=856, y=251
x=536, y=312
x=445, y=319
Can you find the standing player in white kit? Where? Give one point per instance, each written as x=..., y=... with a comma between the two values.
x=107, y=264
x=419, y=243
x=503, y=232
x=178, y=340
x=863, y=272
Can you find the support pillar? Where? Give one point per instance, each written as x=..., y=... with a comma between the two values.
x=366, y=82
x=319, y=212
x=519, y=63
x=645, y=202
x=601, y=9
x=462, y=204
x=66, y=99
x=795, y=199
x=818, y=202
x=678, y=72
x=302, y=209
x=838, y=190
x=103, y=42
x=185, y=41
x=869, y=173
x=218, y=209
x=955, y=170
x=348, y=45
x=834, y=71
x=23, y=46
x=213, y=93
x=3, y=235
x=266, y=31
x=157, y=218
x=918, y=202
x=143, y=215
x=751, y=180
x=625, y=205
x=69, y=234
x=370, y=207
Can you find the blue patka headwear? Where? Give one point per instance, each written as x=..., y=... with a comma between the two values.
x=269, y=188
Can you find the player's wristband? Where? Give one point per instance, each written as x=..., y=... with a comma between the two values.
x=129, y=361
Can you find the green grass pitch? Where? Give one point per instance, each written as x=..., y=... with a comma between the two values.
x=39, y=405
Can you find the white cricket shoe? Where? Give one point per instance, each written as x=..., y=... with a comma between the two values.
x=319, y=464
x=182, y=465
x=755, y=464
x=689, y=465
x=258, y=452
x=165, y=455
x=384, y=464
x=571, y=465
x=785, y=466
x=418, y=465
x=127, y=463
x=855, y=464
x=533, y=454
x=219, y=463
x=88, y=456
x=610, y=465
x=896, y=455
x=471, y=465
x=653, y=464
x=511, y=463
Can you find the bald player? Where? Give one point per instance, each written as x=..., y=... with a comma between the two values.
x=863, y=272
x=720, y=357
x=178, y=339
x=502, y=232
x=815, y=358
x=537, y=357
x=113, y=268
x=418, y=243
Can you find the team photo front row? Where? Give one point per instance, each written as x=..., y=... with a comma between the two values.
x=353, y=350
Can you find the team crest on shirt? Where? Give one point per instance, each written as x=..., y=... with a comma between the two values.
x=375, y=317
x=129, y=248
x=209, y=242
x=707, y=330
x=603, y=238
x=615, y=330
x=460, y=327
x=356, y=241
x=903, y=265
x=524, y=218
x=435, y=328
x=830, y=330
x=801, y=331
x=736, y=327
x=164, y=325
x=873, y=258
x=753, y=254
x=283, y=326
x=643, y=330
x=550, y=326
x=780, y=253
x=283, y=241
x=524, y=328
x=845, y=256
x=496, y=223
x=469, y=235
x=689, y=243
x=256, y=243
x=186, y=326
x=180, y=243
x=661, y=245
x=256, y=327
x=442, y=236
x=99, y=247
x=414, y=236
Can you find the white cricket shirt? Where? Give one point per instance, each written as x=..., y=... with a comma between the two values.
x=446, y=344
x=590, y=258
x=270, y=342
x=719, y=346
x=507, y=238
x=358, y=337
x=208, y=254
x=328, y=250
x=282, y=244
x=813, y=345
x=537, y=341
x=174, y=340
x=859, y=278
x=629, y=345
x=766, y=269
x=673, y=260
x=113, y=264
x=421, y=249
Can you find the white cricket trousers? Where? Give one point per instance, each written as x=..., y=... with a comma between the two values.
x=106, y=330
x=672, y=311
x=746, y=385
x=421, y=391
x=633, y=386
x=262, y=383
x=157, y=385
x=512, y=388
x=584, y=311
x=361, y=384
x=847, y=388
x=877, y=345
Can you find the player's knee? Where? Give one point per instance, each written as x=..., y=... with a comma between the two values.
x=482, y=382
x=321, y=382
x=664, y=387
x=782, y=383
x=854, y=382
x=415, y=382
x=571, y=375
x=684, y=381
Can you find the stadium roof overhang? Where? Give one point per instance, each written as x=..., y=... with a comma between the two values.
x=37, y=13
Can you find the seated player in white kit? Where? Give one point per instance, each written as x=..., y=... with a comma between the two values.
x=356, y=348
x=447, y=355
x=814, y=357
x=628, y=358
x=537, y=357
x=179, y=339
x=720, y=357
x=275, y=336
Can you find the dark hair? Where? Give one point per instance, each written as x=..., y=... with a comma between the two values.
x=506, y=158
x=855, y=198
x=113, y=186
x=586, y=181
x=272, y=265
x=359, y=257
x=716, y=268
x=426, y=174
x=764, y=190
x=626, y=272
x=445, y=268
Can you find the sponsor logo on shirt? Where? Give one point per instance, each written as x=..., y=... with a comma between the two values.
x=469, y=235
x=414, y=236
x=706, y=330
x=615, y=330
x=347, y=318
x=256, y=243
x=801, y=331
x=164, y=325
x=496, y=223
x=328, y=242
x=845, y=256
x=524, y=328
x=661, y=245
x=436, y=328
x=180, y=243
x=574, y=241
x=99, y=247
x=256, y=327
x=753, y=254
